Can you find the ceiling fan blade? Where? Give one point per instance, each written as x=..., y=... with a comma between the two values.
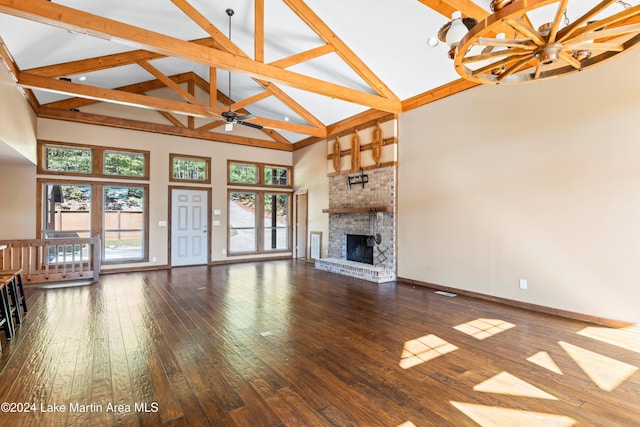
x=249, y=124
x=246, y=117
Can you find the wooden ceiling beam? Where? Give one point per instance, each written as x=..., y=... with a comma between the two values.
x=213, y=88
x=53, y=14
x=173, y=119
x=437, y=93
x=467, y=8
x=191, y=89
x=141, y=87
x=258, y=30
x=293, y=105
x=138, y=100
x=276, y=136
x=447, y=7
x=95, y=119
x=314, y=22
x=289, y=126
x=441, y=6
x=305, y=56
x=230, y=47
x=167, y=81
x=105, y=62
x=111, y=95
x=226, y=101
x=361, y=120
x=251, y=100
x=211, y=125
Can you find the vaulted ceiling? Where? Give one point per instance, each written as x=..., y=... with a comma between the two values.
x=299, y=68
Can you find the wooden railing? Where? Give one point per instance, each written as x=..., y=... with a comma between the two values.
x=53, y=260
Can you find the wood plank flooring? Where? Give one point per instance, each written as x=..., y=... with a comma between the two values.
x=280, y=344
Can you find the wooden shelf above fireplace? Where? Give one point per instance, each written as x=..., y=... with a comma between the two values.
x=359, y=209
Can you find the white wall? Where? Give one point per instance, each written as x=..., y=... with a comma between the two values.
x=17, y=122
x=310, y=173
x=538, y=181
x=160, y=146
x=17, y=160
x=18, y=193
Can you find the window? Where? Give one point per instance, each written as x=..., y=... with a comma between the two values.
x=81, y=205
x=122, y=221
x=67, y=214
x=258, y=174
x=123, y=236
x=190, y=169
x=258, y=220
x=67, y=210
x=242, y=222
x=276, y=176
x=67, y=159
x=124, y=164
x=55, y=158
x=240, y=173
x=276, y=222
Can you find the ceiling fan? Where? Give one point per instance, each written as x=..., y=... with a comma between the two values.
x=231, y=117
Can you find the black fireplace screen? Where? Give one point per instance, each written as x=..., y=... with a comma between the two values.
x=360, y=248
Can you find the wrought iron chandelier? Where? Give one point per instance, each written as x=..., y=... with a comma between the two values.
x=526, y=40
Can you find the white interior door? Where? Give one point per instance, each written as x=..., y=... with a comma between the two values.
x=189, y=236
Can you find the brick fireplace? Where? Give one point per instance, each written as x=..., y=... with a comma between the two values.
x=366, y=210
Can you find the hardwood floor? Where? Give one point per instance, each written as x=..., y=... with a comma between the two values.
x=278, y=343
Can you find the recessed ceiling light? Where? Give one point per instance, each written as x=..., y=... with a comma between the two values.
x=432, y=41
x=82, y=78
x=286, y=118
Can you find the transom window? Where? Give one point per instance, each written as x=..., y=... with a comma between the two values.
x=124, y=164
x=190, y=168
x=76, y=159
x=258, y=174
x=274, y=175
x=240, y=173
x=68, y=159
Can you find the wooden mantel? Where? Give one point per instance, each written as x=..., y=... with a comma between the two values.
x=367, y=209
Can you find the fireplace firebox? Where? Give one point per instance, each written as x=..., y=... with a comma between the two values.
x=360, y=248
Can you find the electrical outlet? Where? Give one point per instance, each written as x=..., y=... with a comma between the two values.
x=224, y=251
x=154, y=259
x=523, y=283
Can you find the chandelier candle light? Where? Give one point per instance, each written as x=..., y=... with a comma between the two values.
x=525, y=40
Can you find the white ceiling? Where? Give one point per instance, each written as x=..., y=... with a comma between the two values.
x=390, y=37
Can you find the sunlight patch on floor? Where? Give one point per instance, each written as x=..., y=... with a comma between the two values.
x=627, y=339
x=544, y=360
x=484, y=328
x=491, y=416
x=407, y=424
x=422, y=349
x=606, y=372
x=505, y=383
